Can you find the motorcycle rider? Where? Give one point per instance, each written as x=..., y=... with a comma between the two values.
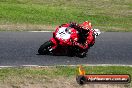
x=86, y=35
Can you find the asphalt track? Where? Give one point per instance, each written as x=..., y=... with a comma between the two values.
x=20, y=48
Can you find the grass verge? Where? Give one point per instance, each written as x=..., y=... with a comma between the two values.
x=52, y=76
x=107, y=15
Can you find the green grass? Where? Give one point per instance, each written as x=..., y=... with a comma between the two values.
x=33, y=76
x=66, y=71
x=107, y=15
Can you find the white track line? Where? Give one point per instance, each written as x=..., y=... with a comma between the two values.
x=66, y=65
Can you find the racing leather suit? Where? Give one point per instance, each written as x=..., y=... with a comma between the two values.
x=90, y=39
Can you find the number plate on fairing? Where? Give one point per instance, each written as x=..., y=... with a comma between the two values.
x=63, y=34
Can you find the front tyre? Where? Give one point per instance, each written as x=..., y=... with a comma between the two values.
x=44, y=49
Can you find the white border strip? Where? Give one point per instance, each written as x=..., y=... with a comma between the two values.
x=66, y=65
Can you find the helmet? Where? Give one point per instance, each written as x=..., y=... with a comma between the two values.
x=86, y=25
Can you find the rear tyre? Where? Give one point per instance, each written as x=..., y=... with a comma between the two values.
x=44, y=49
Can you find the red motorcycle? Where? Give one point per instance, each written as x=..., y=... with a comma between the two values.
x=62, y=43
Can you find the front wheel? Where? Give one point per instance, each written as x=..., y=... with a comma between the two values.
x=44, y=49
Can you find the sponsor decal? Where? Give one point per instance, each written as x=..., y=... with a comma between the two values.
x=84, y=78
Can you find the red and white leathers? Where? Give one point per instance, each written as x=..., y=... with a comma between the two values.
x=90, y=38
x=89, y=41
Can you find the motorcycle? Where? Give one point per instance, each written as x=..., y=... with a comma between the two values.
x=62, y=43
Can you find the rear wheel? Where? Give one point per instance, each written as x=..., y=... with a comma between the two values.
x=44, y=49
